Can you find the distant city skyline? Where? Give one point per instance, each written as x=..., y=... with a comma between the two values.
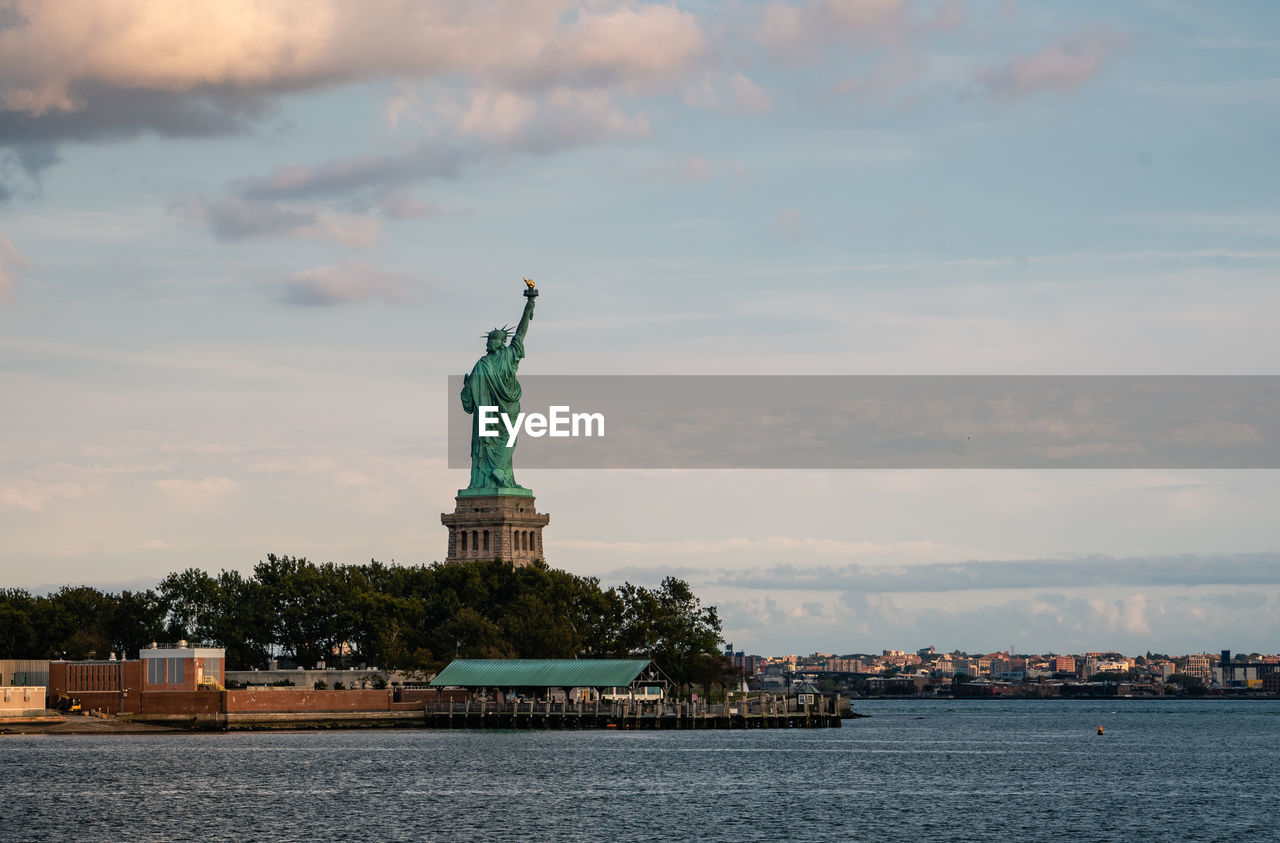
x=242, y=248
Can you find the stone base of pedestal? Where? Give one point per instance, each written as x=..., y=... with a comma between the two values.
x=504, y=526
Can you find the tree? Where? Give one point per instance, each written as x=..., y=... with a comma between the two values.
x=668, y=625
x=1188, y=684
x=190, y=599
x=409, y=617
x=18, y=636
x=136, y=619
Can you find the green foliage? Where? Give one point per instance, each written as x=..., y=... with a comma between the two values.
x=1188, y=684
x=1130, y=675
x=414, y=618
x=76, y=623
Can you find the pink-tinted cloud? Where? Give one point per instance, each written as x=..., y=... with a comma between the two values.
x=692, y=169
x=732, y=94
x=55, y=56
x=398, y=205
x=1061, y=67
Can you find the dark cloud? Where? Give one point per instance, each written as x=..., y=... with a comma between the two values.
x=235, y=219
x=117, y=114
x=22, y=167
x=35, y=159
x=11, y=18
x=1091, y=571
x=363, y=173
x=232, y=218
x=109, y=113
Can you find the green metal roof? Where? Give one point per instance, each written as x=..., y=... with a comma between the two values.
x=540, y=673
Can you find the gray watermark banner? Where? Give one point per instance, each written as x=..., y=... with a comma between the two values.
x=823, y=422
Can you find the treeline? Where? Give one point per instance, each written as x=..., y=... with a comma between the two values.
x=389, y=616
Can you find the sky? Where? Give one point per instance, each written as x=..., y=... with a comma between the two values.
x=244, y=244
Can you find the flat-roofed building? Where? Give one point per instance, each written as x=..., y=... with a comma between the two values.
x=22, y=700
x=24, y=672
x=117, y=686
x=178, y=667
x=1201, y=667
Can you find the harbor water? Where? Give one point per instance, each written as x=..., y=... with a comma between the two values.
x=934, y=770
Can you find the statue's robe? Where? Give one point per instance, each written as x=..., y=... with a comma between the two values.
x=493, y=384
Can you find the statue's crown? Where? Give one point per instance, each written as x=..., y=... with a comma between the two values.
x=499, y=334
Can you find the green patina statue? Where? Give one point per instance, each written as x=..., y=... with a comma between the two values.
x=492, y=383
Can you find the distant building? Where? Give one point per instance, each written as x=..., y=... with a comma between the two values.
x=1094, y=665
x=749, y=665
x=1200, y=667
x=1241, y=674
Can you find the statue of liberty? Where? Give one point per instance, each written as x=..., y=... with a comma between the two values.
x=492, y=383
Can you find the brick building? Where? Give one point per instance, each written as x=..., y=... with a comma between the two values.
x=117, y=687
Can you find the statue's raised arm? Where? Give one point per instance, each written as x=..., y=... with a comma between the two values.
x=530, y=295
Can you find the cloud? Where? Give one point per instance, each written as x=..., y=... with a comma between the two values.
x=791, y=222
x=345, y=283
x=24, y=164
x=197, y=493
x=345, y=175
x=400, y=206
x=732, y=94
x=11, y=260
x=562, y=117
x=488, y=122
x=793, y=32
x=851, y=622
x=1090, y=571
x=35, y=495
x=233, y=218
x=102, y=69
x=1061, y=67
x=692, y=169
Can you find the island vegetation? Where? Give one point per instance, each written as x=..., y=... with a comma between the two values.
x=408, y=617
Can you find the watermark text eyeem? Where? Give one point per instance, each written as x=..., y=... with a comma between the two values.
x=559, y=421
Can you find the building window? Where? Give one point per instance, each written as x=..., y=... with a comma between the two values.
x=463, y=533
x=213, y=668
x=155, y=671
x=175, y=671
x=486, y=540
x=475, y=541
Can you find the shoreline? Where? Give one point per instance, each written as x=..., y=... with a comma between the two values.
x=87, y=725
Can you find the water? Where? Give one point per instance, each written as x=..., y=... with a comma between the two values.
x=971, y=770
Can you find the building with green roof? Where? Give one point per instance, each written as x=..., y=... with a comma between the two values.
x=606, y=676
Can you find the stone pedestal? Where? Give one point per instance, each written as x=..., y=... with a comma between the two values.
x=495, y=524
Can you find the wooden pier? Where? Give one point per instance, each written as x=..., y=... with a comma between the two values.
x=755, y=713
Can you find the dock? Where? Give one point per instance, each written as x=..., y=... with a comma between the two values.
x=755, y=713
